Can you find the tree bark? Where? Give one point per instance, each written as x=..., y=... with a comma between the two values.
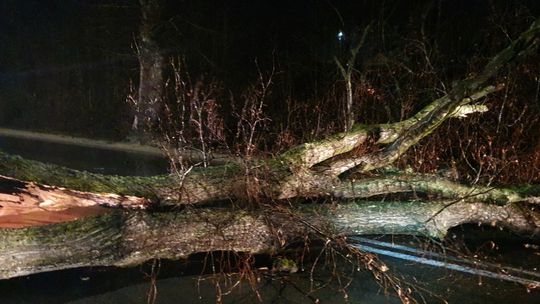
x=151, y=64
x=115, y=237
x=130, y=236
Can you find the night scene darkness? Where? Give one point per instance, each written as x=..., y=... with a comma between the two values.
x=257, y=151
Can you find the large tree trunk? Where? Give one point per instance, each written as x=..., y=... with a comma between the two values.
x=130, y=236
x=113, y=237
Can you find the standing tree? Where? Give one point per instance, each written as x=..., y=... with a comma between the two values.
x=151, y=63
x=346, y=70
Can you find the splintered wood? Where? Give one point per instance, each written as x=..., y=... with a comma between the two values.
x=24, y=204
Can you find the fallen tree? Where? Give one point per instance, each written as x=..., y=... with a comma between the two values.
x=127, y=235
x=119, y=237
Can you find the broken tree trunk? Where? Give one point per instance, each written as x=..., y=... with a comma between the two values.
x=128, y=236
x=113, y=237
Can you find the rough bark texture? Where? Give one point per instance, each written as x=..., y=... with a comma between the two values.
x=122, y=238
x=128, y=238
x=310, y=170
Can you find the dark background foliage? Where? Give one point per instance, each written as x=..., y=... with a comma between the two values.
x=66, y=66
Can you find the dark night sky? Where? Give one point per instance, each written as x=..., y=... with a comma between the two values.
x=74, y=58
x=225, y=35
